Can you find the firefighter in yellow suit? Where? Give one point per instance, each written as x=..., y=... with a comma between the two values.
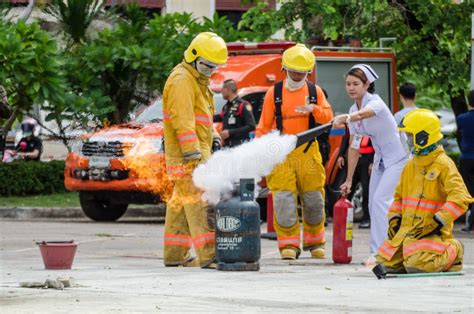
x=429, y=197
x=302, y=173
x=188, y=108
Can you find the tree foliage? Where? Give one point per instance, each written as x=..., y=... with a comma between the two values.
x=432, y=37
x=75, y=16
x=102, y=78
x=130, y=63
x=30, y=67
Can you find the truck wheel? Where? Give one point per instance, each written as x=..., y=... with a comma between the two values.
x=357, y=203
x=100, y=210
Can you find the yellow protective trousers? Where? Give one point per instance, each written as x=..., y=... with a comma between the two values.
x=189, y=221
x=426, y=255
x=301, y=174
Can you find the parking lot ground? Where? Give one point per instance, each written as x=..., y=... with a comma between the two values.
x=119, y=269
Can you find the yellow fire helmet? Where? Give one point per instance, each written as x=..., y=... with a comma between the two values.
x=425, y=126
x=298, y=58
x=208, y=46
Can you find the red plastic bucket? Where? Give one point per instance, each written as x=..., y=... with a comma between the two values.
x=57, y=254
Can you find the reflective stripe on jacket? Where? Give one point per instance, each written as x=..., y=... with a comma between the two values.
x=429, y=185
x=188, y=107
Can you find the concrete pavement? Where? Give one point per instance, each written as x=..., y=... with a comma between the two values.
x=119, y=269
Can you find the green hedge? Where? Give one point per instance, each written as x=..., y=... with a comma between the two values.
x=31, y=177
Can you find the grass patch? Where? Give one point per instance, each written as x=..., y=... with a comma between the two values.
x=67, y=200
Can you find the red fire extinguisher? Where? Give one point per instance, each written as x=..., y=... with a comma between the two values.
x=343, y=215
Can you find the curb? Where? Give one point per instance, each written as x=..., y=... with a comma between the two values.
x=25, y=213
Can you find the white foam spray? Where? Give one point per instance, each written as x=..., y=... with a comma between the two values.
x=254, y=159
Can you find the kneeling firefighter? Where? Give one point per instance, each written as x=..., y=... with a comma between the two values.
x=429, y=197
x=188, y=108
x=296, y=105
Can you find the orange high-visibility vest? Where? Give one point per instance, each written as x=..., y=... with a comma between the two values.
x=366, y=146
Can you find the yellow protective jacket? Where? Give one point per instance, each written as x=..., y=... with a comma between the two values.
x=188, y=108
x=429, y=186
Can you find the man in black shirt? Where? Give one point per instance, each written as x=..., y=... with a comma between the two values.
x=236, y=116
x=30, y=146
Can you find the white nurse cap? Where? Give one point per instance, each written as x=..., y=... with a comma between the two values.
x=368, y=71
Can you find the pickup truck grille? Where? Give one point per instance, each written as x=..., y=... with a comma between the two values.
x=105, y=149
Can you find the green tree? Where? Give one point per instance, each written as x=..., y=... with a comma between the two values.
x=432, y=37
x=259, y=23
x=75, y=16
x=434, y=43
x=30, y=68
x=130, y=63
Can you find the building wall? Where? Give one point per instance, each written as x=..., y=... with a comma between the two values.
x=199, y=8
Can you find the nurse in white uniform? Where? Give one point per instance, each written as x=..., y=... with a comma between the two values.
x=370, y=116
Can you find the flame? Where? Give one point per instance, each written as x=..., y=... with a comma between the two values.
x=147, y=164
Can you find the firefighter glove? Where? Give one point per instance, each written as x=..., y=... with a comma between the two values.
x=216, y=144
x=393, y=227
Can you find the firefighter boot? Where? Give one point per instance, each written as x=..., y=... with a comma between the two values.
x=212, y=265
x=457, y=264
x=192, y=262
x=288, y=254
x=318, y=253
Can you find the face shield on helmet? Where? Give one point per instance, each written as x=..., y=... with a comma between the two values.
x=423, y=130
x=410, y=142
x=205, y=67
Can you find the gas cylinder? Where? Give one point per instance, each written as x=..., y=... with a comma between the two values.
x=238, y=230
x=343, y=215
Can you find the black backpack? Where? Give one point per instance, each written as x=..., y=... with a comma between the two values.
x=323, y=140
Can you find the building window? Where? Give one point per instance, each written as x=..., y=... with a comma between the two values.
x=232, y=16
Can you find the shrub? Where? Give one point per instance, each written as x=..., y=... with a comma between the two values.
x=30, y=177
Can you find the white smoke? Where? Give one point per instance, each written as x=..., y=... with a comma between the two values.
x=254, y=159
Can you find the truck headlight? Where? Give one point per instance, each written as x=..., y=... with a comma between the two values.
x=76, y=147
x=157, y=144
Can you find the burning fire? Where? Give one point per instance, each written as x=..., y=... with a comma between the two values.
x=149, y=165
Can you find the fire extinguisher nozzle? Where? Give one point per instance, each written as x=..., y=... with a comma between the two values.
x=380, y=272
